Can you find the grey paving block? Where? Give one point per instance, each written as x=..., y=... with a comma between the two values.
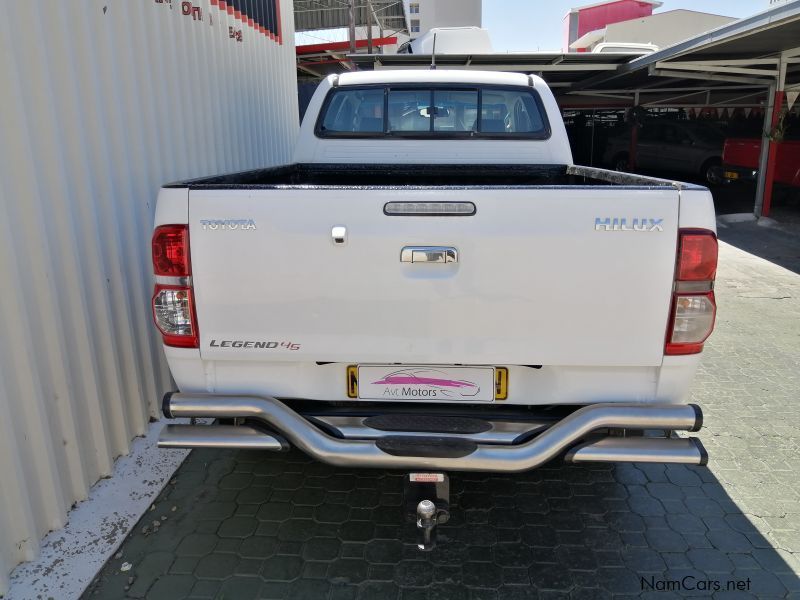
x=169, y=587
x=237, y=527
x=282, y=568
x=146, y=572
x=348, y=570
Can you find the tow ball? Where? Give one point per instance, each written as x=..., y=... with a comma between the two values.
x=427, y=501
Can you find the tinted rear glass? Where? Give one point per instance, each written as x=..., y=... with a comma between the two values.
x=433, y=112
x=352, y=111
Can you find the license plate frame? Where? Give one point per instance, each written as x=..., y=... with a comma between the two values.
x=426, y=383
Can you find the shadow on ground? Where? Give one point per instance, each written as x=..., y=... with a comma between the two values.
x=780, y=246
x=255, y=525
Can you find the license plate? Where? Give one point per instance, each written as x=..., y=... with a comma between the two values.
x=731, y=175
x=431, y=383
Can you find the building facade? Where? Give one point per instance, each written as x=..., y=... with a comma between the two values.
x=582, y=20
x=424, y=15
x=661, y=29
x=102, y=103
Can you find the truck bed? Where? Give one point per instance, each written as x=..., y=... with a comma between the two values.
x=361, y=176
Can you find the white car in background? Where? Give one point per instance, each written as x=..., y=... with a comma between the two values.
x=624, y=48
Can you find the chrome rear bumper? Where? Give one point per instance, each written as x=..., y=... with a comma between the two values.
x=576, y=434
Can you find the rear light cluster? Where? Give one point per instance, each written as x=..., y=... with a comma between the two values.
x=173, y=297
x=693, y=305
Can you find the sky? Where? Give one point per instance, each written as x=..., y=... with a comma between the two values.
x=517, y=25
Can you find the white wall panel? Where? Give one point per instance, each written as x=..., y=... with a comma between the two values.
x=101, y=102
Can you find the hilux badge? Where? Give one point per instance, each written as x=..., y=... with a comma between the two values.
x=621, y=224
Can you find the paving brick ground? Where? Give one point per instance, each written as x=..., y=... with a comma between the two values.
x=255, y=525
x=779, y=244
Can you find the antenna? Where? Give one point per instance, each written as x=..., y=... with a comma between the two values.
x=433, y=54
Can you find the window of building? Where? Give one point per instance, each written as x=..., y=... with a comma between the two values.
x=413, y=8
x=414, y=25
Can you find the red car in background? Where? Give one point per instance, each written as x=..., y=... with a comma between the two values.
x=740, y=158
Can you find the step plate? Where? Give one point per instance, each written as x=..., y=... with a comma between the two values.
x=427, y=423
x=426, y=446
x=500, y=432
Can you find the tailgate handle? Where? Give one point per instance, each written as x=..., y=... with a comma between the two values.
x=429, y=254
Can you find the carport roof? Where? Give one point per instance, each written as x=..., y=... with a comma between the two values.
x=561, y=70
x=755, y=43
x=332, y=14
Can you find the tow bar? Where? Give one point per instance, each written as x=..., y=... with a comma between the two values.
x=427, y=501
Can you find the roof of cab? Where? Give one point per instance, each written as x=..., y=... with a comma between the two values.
x=437, y=76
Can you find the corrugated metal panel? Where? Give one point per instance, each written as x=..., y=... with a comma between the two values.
x=101, y=103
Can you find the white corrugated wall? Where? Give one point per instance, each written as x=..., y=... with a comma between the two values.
x=101, y=102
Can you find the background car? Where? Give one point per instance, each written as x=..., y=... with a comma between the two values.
x=686, y=147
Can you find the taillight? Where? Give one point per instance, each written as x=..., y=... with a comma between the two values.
x=173, y=312
x=693, y=305
x=171, y=251
x=697, y=256
x=173, y=298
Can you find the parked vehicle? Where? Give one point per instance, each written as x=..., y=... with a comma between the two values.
x=434, y=286
x=688, y=147
x=740, y=161
x=449, y=40
x=624, y=48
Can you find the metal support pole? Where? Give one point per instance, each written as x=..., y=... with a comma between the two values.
x=772, y=154
x=769, y=149
x=369, y=27
x=763, y=159
x=351, y=5
x=634, y=141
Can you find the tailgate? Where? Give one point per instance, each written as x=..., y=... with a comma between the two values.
x=535, y=282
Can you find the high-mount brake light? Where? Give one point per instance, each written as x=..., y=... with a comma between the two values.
x=171, y=251
x=173, y=298
x=694, y=307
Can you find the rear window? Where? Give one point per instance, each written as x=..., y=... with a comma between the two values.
x=380, y=111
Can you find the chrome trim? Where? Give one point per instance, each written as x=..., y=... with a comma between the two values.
x=687, y=451
x=521, y=457
x=170, y=280
x=429, y=254
x=218, y=436
x=502, y=432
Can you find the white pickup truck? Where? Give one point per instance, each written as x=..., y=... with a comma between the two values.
x=434, y=286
